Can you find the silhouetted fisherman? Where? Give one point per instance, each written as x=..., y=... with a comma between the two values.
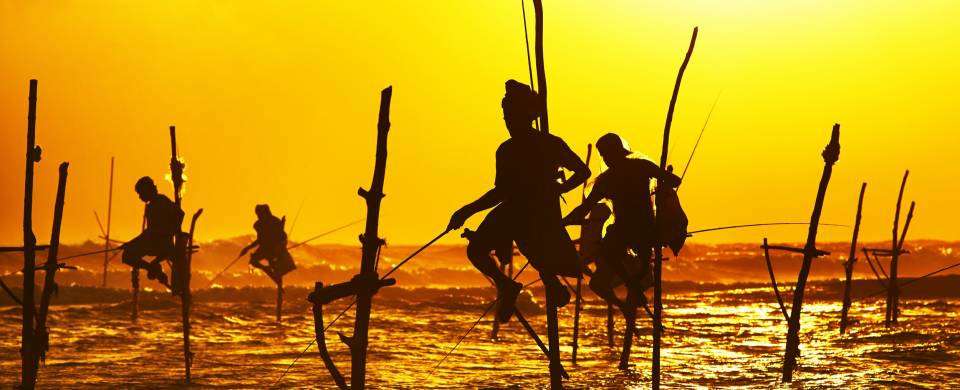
x=526, y=195
x=627, y=184
x=271, y=244
x=163, y=220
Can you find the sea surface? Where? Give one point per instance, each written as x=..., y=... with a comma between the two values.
x=731, y=338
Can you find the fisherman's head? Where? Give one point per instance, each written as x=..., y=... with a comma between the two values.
x=612, y=149
x=262, y=210
x=521, y=106
x=146, y=189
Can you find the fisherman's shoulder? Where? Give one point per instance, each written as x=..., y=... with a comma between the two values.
x=162, y=201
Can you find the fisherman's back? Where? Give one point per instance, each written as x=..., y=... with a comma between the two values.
x=628, y=186
x=163, y=217
x=527, y=173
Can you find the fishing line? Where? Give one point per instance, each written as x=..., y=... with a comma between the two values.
x=911, y=281
x=762, y=224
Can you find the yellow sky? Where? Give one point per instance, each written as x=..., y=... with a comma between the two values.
x=276, y=103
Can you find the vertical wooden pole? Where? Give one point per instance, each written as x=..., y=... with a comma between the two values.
x=106, y=239
x=280, y=300
x=609, y=325
x=27, y=341
x=553, y=342
x=371, y=245
x=50, y=268
x=893, y=291
x=848, y=266
x=576, y=319
x=830, y=156
x=135, y=302
x=186, y=298
x=657, y=249
x=895, y=286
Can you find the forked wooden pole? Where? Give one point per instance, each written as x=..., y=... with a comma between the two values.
x=848, y=265
x=830, y=156
x=50, y=268
x=893, y=291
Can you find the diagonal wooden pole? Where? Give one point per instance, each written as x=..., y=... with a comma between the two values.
x=50, y=268
x=848, y=265
x=830, y=156
x=893, y=292
x=106, y=238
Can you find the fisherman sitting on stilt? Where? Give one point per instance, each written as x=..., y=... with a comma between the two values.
x=627, y=185
x=526, y=195
x=163, y=220
x=271, y=244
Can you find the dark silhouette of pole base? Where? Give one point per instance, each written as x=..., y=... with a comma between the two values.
x=28, y=350
x=830, y=156
x=848, y=265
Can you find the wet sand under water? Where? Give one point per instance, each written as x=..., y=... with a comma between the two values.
x=726, y=339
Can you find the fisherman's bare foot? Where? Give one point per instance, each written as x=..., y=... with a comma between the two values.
x=507, y=295
x=155, y=272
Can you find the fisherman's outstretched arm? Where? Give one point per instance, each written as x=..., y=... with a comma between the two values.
x=489, y=199
x=579, y=214
x=572, y=162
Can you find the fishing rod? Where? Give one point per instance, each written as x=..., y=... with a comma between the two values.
x=911, y=281
x=487, y=310
x=235, y=260
x=702, y=130
x=91, y=253
x=330, y=324
x=761, y=224
x=326, y=233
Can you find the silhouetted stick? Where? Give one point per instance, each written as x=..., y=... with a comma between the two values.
x=106, y=233
x=773, y=280
x=893, y=291
x=321, y=341
x=536, y=338
x=872, y=268
x=894, y=286
x=658, y=249
x=185, y=297
x=50, y=268
x=912, y=281
x=609, y=325
x=371, y=245
x=279, y=300
x=28, y=346
x=830, y=156
x=135, y=300
x=848, y=265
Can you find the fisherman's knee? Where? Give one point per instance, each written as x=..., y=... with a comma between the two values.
x=477, y=251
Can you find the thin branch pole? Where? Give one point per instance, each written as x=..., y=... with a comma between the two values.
x=371, y=245
x=893, y=292
x=658, y=250
x=773, y=280
x=848, y=266
x=106, y=236
x=895, y=310
x=830, y=156
x=50, y=267
x=880, y=279
x=28, y=349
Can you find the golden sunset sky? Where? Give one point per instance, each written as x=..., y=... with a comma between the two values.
x=276, y=102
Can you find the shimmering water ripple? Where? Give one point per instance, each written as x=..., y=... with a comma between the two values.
x=731, y=339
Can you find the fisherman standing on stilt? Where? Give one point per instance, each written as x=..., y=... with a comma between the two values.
x=163, y=220
x=271, y=244
x=527, y=206
x=627, y=184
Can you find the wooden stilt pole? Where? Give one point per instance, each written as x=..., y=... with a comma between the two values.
x=50, y=268
x=576, y=319
x=371, y=246
x=893, y=292
x=658, y=250
x=106, y=238
x=895, y=311
x=848, y=265
x=28, y=346
x=135, y=302
x=830, y=156
x=610, y=325
x=280, y=300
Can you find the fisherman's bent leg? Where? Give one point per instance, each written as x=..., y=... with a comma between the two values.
x=602, y=284
x=134, y=251
x=615, y=256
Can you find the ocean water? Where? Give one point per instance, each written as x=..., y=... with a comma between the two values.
x=722, y=339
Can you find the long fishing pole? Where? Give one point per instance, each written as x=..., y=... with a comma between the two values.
x=911, y=281
x=235, y=260
x=762, y=224
x=344, y=311
x=702, y=130
x=91, y=253
x=485, y=312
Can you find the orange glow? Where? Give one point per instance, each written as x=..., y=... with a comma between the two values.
x=277, y=104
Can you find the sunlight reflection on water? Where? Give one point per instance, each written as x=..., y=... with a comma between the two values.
x=731, y=339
